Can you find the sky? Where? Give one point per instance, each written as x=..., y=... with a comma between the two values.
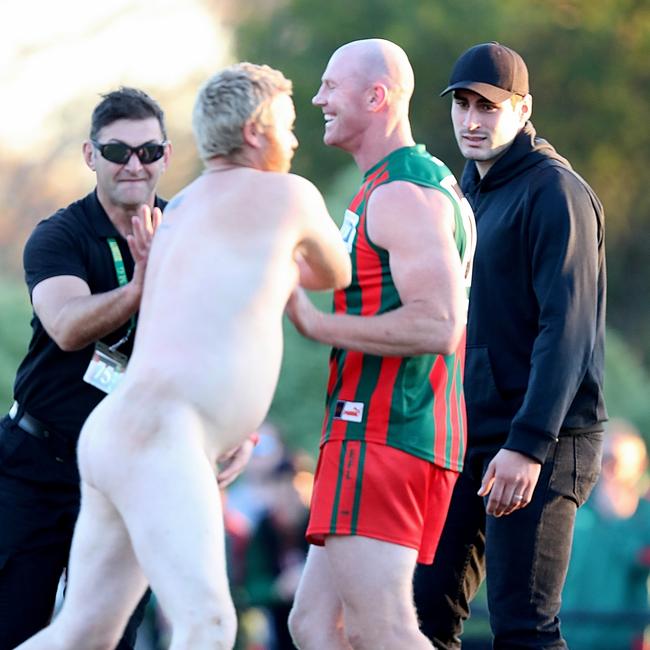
x=54, y=52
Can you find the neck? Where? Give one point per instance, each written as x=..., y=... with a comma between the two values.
x=376, y=144
x=483, y=166
x=223, y=164
x=120, y=215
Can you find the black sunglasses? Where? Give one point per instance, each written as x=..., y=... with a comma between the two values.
x=120, y=153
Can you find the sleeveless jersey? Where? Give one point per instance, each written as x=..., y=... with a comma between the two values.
x=412, y=403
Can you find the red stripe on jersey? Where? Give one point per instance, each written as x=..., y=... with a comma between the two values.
x=331, y=382
x=368, y=268
x=380, y=403
x=438, y=379
x=372, y=178
x=356, y=201
x=454, y=415
x=350, y=375
x=462, y=413
x=340, y=302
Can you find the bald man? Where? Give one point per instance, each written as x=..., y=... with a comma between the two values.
x=394, y=429
x=205, y=362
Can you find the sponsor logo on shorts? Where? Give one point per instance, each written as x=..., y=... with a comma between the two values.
x=349, y=411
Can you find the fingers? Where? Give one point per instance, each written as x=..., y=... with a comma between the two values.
x=488, y=480
x=144, y=225
x=156, y=219
x=510, y=481
x=506, y=498
x=227, y=476
x=234, y=462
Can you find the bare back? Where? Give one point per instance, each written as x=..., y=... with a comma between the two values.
x=221, y=269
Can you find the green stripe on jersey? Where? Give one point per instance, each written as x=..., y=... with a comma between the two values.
x=403, y=415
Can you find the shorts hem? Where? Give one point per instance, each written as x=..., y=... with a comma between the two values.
x=317, y=538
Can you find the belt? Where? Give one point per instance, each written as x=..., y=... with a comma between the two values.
x=28, y=424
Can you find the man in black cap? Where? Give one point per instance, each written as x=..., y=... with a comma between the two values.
x=533, y=370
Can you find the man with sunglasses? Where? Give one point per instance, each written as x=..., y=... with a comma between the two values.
x=85, y=286
x=234, y=244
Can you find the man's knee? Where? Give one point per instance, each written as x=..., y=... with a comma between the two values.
x=314, y=626
x=299, y=624
x=369, y=633
x=213, y=625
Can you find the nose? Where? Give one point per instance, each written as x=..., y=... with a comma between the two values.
x=133, y=163
x=471, y=119
x=317, y=99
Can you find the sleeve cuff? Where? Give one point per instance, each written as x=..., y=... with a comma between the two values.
x=533, y=444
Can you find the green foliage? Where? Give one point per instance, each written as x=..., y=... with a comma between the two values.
x=15, y=313
x=590, y=81
x=627, y=385
x=299, y=400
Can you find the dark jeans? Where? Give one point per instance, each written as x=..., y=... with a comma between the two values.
x=39, y=504
x=524, y=556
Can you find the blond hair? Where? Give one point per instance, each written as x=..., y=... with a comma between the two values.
x=228, y=100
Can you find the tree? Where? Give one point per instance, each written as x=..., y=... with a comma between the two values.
x=589, y=77
x=590, y=83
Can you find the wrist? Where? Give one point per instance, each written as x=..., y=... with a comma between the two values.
x=133, y=295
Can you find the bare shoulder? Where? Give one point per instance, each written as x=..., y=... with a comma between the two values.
x=408, y=200
x=302, y=186
x=400, y=208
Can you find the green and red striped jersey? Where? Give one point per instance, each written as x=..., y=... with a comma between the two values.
x=414, y=403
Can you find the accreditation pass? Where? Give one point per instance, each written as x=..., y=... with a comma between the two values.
x=106, y=368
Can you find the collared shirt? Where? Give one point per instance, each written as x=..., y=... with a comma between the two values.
x=49, y=382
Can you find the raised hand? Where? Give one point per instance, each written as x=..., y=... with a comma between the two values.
x=144, y=224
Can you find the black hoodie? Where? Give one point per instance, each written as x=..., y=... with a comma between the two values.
x=536, y=329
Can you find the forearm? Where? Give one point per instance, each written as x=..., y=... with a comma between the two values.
x=321, y=274
x=406, y=331
x=86, y=319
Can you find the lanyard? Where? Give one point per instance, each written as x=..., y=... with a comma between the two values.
x=120, y=272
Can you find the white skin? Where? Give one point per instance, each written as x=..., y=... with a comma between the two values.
x=69, y=313
x=364, y=97
x=484, y=131
x=204, y=367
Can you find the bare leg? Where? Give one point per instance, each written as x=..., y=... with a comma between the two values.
x=105, y=582
x=374, y=581
x=316, y=619
x=170, y=501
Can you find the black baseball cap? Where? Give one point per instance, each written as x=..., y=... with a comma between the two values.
x=492, y=70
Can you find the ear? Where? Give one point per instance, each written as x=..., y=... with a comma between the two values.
x=88, y=152
x=377, y=97
x=168, y=153
x=252, y=133
x=526, y=109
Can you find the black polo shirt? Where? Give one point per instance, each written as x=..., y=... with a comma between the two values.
x=74, y=241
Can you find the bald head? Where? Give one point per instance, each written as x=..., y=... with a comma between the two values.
x=364, y=95
x=377, y=60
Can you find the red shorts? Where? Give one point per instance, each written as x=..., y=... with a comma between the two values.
x=373, y=490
